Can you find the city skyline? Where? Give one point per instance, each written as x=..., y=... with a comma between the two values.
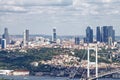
x=70, y=17
x=55, y=33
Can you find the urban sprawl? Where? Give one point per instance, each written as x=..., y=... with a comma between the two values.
x=64, y=56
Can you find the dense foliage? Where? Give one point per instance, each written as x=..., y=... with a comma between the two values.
x=21, y=60
x=82, y=54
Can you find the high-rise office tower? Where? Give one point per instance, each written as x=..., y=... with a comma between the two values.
x=105, y=34
x=113, y=36
x=101, y=34
x=77, y=40
x=0, y=40
x=111, y=32
x=27, y=35
x=24, y=38
x=54, y=37
x=108, y=31
x=110, y=41
x=89, y=35
x=98, y=34
x=3, y=43
x=6, y=35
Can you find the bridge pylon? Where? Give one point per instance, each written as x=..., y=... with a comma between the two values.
x=96, y=61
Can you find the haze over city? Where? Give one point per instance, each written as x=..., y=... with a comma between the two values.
x=70, y=17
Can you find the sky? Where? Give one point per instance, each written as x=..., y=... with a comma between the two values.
x=70, y=17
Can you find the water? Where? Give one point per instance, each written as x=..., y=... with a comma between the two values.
x=43, y=78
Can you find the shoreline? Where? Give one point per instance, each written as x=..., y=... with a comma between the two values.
x=6, y=77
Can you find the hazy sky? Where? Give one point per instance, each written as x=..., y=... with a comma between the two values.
x=70, y=17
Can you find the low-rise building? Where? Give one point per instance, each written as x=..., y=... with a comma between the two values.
x=5, y=72
x=20, y=73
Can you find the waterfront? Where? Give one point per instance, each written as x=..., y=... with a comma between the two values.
x=43, y=78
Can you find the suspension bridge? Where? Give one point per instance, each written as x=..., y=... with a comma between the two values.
x=97, y=75
x=103, y=74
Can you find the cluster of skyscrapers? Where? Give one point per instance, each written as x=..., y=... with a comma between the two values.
x=6, y=35
x=103, y=34
x=6, y=40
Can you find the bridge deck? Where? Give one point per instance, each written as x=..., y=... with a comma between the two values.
x=104, y=74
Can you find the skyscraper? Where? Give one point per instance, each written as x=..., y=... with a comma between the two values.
x=113, y=36
x=6, y=35
x=111, y=32
x=0, y=40
x=105, y=34
x=27, y=35
x=98, y=34
x=3, y=43
x=108, y=31
x=110, y=41
x=24, y=38
x=77, y=40
x=54, y=37
x=89, y=35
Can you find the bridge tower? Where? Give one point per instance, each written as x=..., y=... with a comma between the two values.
x=96, y=61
